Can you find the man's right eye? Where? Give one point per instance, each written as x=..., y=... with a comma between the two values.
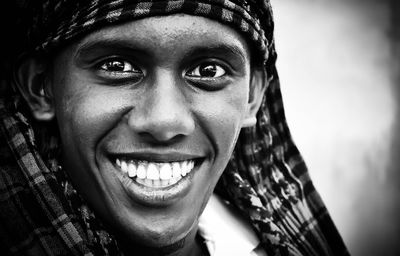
x=116, y=65
x=118, y=68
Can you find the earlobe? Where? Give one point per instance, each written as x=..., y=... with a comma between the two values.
x=30, y=78
x=258, y=85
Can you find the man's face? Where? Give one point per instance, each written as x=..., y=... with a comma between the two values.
x=149, y=112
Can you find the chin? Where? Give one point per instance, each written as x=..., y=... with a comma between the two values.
x=157, y=236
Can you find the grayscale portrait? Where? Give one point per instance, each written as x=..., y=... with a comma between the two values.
x=151, y=127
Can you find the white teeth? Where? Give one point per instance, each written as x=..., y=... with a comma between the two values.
x=124, y=166
x=190, y=165
x=152, y=172
x=165, y=171
x=176, y=170
x=132, y=170
x=155, y=174
x=174, y=180
x=156, y=183
x=140, y=181
x=141, y=172
x=148, y=182
x=164, y=183
x=184, y=169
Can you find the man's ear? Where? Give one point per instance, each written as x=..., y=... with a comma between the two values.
x=30, y=78
x=258, y=85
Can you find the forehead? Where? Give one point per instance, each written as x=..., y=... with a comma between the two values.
x=168, y=34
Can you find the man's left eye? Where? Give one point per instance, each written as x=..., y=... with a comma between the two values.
x=207, y=70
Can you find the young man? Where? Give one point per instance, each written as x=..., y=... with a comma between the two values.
x=132, y=112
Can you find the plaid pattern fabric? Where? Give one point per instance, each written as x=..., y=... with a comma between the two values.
x=266, y=178
x=268, y=181
x=33, y=216
x=88, y=18
x=75, y=18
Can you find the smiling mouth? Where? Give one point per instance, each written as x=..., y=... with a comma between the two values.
x=155, y=174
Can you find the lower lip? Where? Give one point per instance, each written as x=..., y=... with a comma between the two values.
x=152, y=196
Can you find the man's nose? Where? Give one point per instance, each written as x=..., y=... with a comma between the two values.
x=163, y=113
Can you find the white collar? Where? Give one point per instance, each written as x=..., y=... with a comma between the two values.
x=226, y=232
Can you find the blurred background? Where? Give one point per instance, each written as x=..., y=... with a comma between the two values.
x=340, y=75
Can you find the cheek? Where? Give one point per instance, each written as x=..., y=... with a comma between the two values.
x=221, y=118
x=223, y=114
x=85, y=114
x=83, y=109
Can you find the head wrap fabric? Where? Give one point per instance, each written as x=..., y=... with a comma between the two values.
x=266, y=178
x=60, y=21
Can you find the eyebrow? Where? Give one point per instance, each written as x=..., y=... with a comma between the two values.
x=94, y=45
x=126, y=45
x=220, y=49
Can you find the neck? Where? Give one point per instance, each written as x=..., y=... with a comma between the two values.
x=187, y=246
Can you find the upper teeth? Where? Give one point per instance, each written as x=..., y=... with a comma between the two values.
x=155, y=173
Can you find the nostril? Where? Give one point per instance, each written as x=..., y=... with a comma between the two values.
x=162, y=128
x=161, y=139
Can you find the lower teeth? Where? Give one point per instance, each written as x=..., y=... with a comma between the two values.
x=157, y=183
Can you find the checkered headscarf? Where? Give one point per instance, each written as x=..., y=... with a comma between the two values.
x=266, y=178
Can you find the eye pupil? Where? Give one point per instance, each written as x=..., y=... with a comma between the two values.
x=115, y=65
x=208, y=70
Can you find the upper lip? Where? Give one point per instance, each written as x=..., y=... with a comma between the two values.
x=152, y=156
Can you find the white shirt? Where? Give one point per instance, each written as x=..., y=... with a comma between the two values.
x=226, y=232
